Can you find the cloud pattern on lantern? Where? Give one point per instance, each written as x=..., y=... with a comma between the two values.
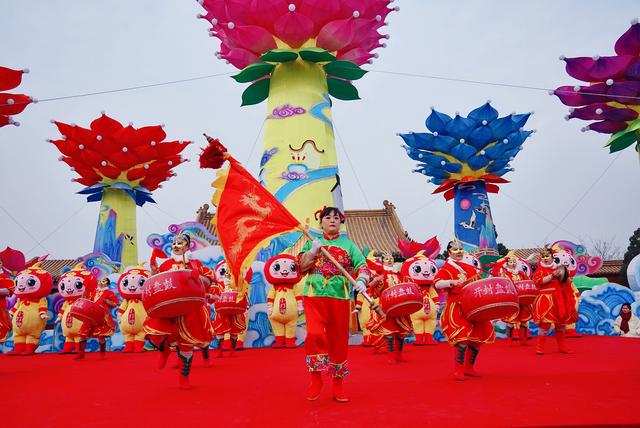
x=110, y=155
x=250, y=28
x=463, y=149
x=11, y=104
x=612, y=97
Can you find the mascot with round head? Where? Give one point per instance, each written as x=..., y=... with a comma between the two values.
x=421, y=270
x=71, y=288
x=30, y=311
x=284, y=304
x=131, y=313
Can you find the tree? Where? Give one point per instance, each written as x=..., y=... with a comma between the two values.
x=632, y=250
x=502, y=249
x=606, y=249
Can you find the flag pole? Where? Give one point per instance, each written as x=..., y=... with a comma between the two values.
x=344, y=272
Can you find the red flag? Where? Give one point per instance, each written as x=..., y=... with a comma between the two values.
x=247, y=214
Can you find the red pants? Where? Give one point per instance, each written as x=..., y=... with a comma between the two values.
x=327, y=334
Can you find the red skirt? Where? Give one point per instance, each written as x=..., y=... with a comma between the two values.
x=457, y=328
x=555, y=306
x=106, y=328
x=392, y=326
x=194, y=329
x=524, y=315
x=232, y=324
x=5, y=321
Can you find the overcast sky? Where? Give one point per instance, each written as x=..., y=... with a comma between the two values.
x=76, y=47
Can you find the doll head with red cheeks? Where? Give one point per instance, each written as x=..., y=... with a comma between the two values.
x=282, y=269
x=33, y=282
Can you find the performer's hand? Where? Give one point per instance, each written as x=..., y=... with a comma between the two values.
x=58, y=318
x=361, y=285
x=315, y=247
x=300, y=307
x=437, y=307
x=44, y=316
x=269, y=308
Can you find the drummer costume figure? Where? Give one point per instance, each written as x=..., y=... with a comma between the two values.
x=389, y=331
x=185, y=331
x=465, y=336
x=327, y=301
x=519, y=320
x=556, y=303
x=106, y=298
x=232, y=324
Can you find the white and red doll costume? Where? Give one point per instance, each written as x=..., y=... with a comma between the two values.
x=389, y=331
x=421, y=270
x=131, y=313
x=232, y=325
x=70, y=289
x=284, y=305
x=6, y=289
x=557, y=302
x=465, y=336
x=515, y=269
x=29, y=315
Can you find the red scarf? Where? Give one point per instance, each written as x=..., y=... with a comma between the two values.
x=624, y=325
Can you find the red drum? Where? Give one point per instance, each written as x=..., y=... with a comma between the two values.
x=401, y=300
x=489, y=299
x=527, y=292
x=228, y=304
x=88, y=311
x=173, y=293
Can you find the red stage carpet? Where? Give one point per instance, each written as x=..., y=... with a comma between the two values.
x=598, y=385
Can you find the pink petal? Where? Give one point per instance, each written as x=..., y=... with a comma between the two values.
x=608, y=126
x=253, y=38
x=603, y=111
x=239, y=57
x=336, y=34
x=294, y=29
x=358, y=56
x=267, y=12
x=629, y=42
x=319, y=11
x=606, y=67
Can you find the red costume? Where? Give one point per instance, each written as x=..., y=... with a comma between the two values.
x=131, y=314
x=284, y=304
x=556, y=304
x=512, y=268
x=230, y=324
x=391, y=330
x=464, y=335
x=6, y=289
x=421, y=270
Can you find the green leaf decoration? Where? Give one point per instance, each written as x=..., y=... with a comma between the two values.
x=256, y=93
x=253, y=72
x=279, y=55
x=624, y=138
x=342, y=90
x=344, y=69
x=316, y=55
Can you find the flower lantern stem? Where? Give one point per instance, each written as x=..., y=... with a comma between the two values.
x=303, y=170
x=473, y=223
x=116, y=232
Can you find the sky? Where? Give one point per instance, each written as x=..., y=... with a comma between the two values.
x=565, y=184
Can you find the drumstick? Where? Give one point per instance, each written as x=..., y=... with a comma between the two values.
x=346, y=274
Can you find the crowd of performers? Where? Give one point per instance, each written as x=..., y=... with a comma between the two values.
x=334, y=270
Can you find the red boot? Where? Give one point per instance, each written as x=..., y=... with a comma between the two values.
x=128, y=347
x=290, y=342
x=29, y=349
x=338, y=391
x=67, y=348
x=419, y=340
x=18, y=349
x=226, y=344
x=399, y=346
x=278, y=343
x=164, y=352
x=540, y=345
x=103, y=349
x=313, y=392
x=562, y=346
x=82, y=345
x=428, y=340
x=185, y=368
x=470, y=359
x=366, y=340
x=523, y=336
x=138, y=346
x=514, y=334
x=458, y=362
x=391, y=357
x=232, y=347
x=572, y=333
x=238, y=345
x=205, y=357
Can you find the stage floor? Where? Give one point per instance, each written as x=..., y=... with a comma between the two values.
x=598, y=385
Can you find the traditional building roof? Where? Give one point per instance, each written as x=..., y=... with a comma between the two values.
x=55, y=266
x=377, y=230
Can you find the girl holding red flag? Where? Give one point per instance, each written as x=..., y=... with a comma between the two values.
x=186, y=331
x=327, y=301
x=465, y=336
x=556, y=303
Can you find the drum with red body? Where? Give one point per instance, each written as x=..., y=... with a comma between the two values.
x=88, y=311
x=527, y=292
x=228, y=303
x=401, y=300
x=173, y=293
x=489, y=299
